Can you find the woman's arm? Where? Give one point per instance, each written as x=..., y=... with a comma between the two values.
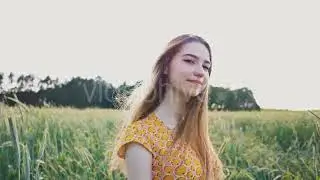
x=138, y=162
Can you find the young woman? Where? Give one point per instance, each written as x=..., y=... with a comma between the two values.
x=167, y=135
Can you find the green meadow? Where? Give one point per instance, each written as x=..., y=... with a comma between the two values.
x=69, y=143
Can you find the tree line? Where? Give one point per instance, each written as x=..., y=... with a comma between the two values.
x=95, y=92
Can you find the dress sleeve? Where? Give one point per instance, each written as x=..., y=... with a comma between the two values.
x=136, y=132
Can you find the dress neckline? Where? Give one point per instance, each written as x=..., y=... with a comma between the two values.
x=156, y=117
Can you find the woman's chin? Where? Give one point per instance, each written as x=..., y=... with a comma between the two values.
x=190, y=91
x=193, y=92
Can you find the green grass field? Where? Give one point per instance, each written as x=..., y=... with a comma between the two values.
x=67, y=143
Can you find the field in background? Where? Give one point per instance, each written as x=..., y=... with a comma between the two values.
x=67, y=143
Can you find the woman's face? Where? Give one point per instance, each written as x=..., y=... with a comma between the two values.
x=189, y=69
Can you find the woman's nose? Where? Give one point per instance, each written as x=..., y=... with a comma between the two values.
x=198, y=71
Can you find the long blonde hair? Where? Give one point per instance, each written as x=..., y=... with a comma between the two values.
x=193, y=126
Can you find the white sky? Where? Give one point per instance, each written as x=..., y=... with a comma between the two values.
x=271, y=47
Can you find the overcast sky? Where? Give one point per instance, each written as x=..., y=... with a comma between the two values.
x=271, y=47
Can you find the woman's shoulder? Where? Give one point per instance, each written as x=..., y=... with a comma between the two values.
x=143, y=132
x=149, y=122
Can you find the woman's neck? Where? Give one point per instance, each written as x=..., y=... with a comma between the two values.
x=171, y=108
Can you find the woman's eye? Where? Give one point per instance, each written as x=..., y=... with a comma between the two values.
x=188, y=60
x=206, y=67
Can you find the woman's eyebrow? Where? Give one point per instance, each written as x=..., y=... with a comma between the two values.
x=196, y=57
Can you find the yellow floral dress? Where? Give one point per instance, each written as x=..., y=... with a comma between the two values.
x=169, y=161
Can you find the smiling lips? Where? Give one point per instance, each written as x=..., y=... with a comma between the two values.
x=195, y=81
